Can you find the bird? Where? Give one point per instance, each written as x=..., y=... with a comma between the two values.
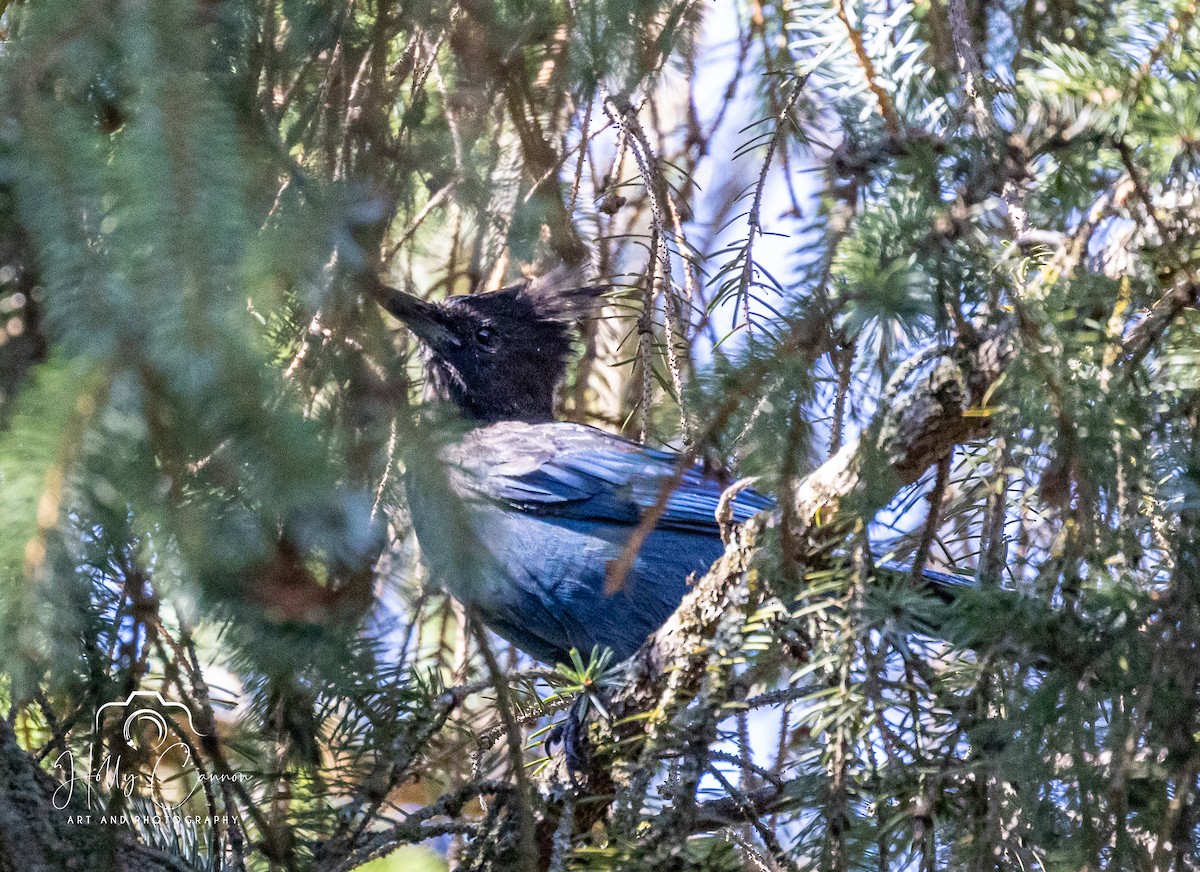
x=551, y=504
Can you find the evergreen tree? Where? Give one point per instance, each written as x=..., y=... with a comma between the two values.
x=927, y=269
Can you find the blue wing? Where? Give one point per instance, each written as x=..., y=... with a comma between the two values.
x=617, y=483
x=560, y=502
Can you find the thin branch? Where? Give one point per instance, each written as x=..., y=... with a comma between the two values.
x=1142, y=338
x=886, y=107
x=979, y=98
x=932, y=519
x=416, y=827
x=527, y=844
x=754, y=219
x=664, y=220
x=432, y=203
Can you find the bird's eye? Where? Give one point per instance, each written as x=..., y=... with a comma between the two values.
x=485, y=335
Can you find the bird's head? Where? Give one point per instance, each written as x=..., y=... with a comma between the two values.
x=498, y=356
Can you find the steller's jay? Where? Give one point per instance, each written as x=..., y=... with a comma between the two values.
x=553, y=503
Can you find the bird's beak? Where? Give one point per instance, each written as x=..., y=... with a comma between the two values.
x=424, y=319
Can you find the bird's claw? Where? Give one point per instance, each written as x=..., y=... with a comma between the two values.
x=571, y=733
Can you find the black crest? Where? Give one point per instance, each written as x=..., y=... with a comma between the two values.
x=499, y=356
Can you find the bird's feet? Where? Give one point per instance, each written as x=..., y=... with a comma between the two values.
x=571, y=733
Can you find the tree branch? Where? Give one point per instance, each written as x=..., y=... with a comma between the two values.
x=930, y=406
x=934, y=402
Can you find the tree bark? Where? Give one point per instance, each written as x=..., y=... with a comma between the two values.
x=35, y=836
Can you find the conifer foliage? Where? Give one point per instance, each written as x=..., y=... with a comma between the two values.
x=928, y=269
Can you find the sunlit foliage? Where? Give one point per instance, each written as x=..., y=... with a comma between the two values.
x=205, y=419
